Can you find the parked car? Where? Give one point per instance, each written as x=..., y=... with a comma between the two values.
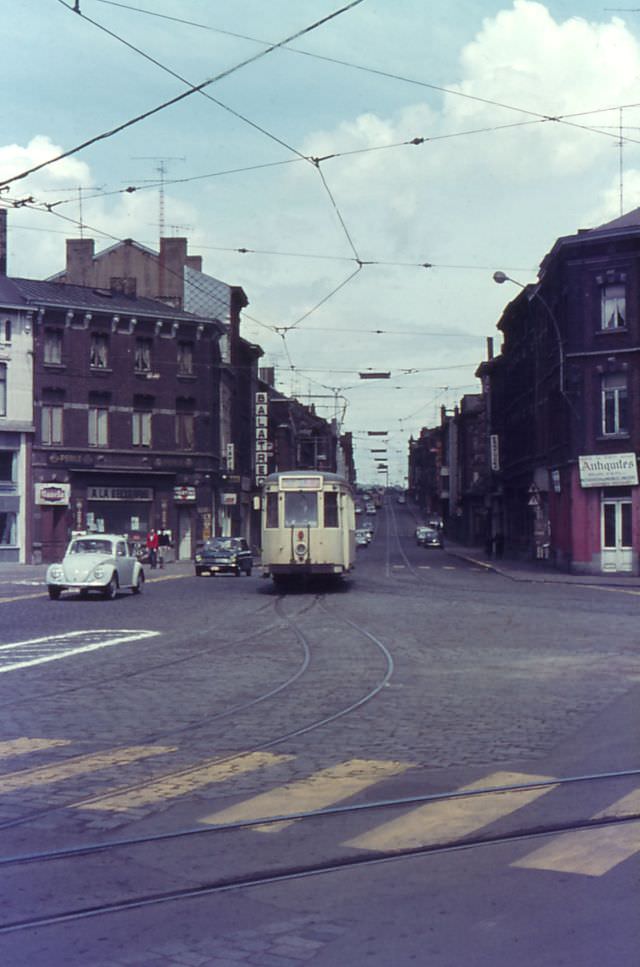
x=96, y=562
x=421, y=533
x=367, y=527
x=224, y=555
x=431, y=537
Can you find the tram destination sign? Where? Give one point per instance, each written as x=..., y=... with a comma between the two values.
x=608, y=470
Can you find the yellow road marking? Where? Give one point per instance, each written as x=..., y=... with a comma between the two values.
x=44, y=775
x=316, y=792
x=591, y=852
x=452, y=819
x=23, y=745
x=171, y=787
x=23, y=597
x=601, y=587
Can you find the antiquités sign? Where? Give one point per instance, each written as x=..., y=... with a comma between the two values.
x=609, y=470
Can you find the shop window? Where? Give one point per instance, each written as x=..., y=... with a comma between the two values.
x=3, y=389
x=99, y=351
x=142, y=359
x=613, y=307
x=51, y=423
x=615, y=420
x=53, y=347
x=185, y=359
x=8, y=529
x=98, y=426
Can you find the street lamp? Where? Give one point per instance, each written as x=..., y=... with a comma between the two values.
x=500, y=278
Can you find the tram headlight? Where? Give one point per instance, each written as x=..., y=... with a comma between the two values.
x=300, y=549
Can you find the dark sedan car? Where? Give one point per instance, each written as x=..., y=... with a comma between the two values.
x=224, y=555
x=430, y=537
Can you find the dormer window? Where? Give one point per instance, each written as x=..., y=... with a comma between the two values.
x=613, y=306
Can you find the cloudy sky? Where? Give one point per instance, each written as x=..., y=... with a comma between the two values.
x=367, y=252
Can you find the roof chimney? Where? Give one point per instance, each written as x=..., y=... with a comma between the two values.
x=79, y=261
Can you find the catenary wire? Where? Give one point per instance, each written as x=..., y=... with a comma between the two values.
x=563, y=119
x=179, y=97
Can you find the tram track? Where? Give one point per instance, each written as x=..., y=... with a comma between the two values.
x=338, y=861
x=251, y=747
x=157, y=666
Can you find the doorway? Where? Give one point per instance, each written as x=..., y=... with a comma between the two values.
x=184, y=534
x=616, y=531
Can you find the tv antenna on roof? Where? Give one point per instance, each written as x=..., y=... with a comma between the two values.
x=161, y=168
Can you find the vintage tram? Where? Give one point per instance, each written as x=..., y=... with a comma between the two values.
x=308, y=525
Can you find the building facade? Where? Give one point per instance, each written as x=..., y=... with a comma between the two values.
x=124, y=400
x=566, y=391
x=16, y=428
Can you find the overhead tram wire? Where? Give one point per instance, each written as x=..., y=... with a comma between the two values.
x=417, y=140
x=179, y=97
x=183, y=80
x=562, y=119
x=315, y=161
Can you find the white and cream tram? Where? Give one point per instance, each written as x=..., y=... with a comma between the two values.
x=308, y=525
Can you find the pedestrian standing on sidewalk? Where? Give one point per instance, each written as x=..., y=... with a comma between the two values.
x=152, y=547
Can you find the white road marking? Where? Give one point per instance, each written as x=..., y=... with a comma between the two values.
x=322, y=789
x=451, y=819
x=35, y=651
x=591, y=852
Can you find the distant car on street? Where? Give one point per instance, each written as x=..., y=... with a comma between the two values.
x=105, y=563
x=402, y=499
x=224, y=555
x=430, y=537
x=362, y=538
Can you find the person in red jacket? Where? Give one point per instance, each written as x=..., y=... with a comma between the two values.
x=152, y=547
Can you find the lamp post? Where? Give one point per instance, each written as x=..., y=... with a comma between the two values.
x=500, y=278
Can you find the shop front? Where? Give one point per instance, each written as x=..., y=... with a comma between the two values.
x=606, y=514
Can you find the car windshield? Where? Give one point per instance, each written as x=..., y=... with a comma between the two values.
x=221, y=544
x=90, y=545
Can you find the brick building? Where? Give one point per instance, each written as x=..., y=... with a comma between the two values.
x=565, y=391
x=124, y=406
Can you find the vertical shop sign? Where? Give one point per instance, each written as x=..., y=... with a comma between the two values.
x=262, y=433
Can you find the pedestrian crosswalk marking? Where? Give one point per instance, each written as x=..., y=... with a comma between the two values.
x=591, y=852
x=188, y=781
x=451, y=819
x=78, y=766
x=318, y=791
x=35, y=651
x=23, y=745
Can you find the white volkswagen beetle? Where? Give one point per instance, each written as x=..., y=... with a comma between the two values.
x=96, y=562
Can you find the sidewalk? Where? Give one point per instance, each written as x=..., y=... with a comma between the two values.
x=541, y=573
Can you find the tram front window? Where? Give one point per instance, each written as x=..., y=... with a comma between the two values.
x=300, y=510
